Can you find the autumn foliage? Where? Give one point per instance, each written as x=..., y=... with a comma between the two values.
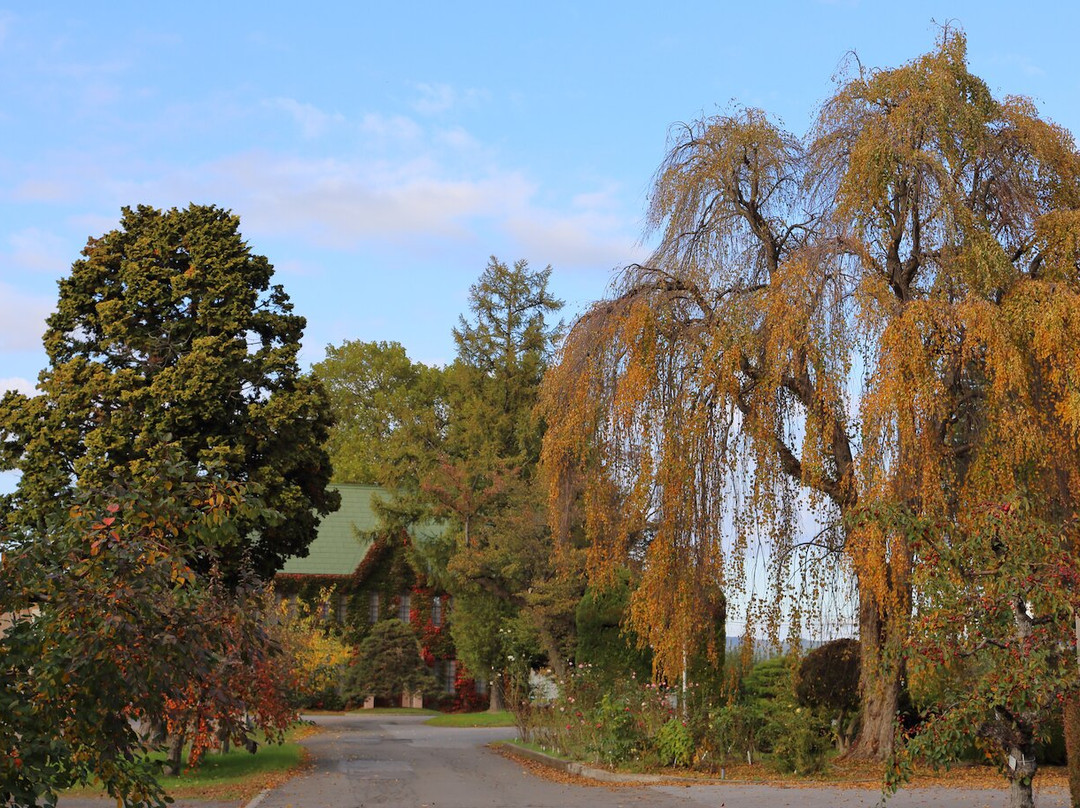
x=874, y=322
x=118, y=638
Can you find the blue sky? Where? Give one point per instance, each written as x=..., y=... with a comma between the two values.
x=378, y=154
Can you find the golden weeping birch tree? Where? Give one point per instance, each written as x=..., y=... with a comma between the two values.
x=841, y=321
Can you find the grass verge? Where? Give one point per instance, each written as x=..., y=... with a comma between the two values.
x=237, y=775
x=499, y=719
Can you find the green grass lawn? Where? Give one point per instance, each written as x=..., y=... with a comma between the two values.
x=499, y=719
x=237, y=775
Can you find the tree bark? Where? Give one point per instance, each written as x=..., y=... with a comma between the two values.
x=174, y=762
x=880, y=678
x=551, y=648
x=1015, y=738
x=1071, y=720
x=1021, y=772
x=496, y=701
x=1020, y=795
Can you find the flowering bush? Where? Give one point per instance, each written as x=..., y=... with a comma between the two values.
x=594, y=720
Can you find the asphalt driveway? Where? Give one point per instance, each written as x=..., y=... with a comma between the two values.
x=365, y=760
x=397, y=762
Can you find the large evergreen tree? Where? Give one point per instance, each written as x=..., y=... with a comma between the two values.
x=168, y=328
x=486, y=481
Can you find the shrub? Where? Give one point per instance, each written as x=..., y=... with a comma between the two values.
x=829, y=677
x=674, y=744
x=734, y=730
x=602, y=642
x=621, y=737
x=387, y=664
x=801, y=741
x=593, y=719
x=829, y=680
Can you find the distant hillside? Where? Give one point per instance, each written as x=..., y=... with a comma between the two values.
x=765, y=650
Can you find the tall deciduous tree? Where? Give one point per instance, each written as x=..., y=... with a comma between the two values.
x=881, y=311
x=168, y=328
x=386, y=408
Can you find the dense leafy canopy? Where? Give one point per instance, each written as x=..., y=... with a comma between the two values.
x=1012, y=581
x=168, y=329
x=383, y=404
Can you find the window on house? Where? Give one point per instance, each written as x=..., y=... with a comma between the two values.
x=436, y=611
x=342, y=606
x=404, y=607
x=450, y=676
x=373, y=607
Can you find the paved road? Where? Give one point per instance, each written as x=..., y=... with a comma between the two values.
x=363, y=761
x=394, y=761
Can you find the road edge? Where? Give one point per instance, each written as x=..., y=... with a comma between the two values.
x=590, y=772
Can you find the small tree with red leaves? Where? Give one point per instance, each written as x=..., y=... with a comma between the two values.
x=993, y=639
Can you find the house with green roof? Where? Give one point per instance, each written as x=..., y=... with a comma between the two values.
x=371, y=578
x=344, y=537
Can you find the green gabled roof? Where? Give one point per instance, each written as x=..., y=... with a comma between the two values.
x=337, y=549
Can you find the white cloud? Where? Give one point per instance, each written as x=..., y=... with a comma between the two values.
x=434, y=98
x=390, y=127
x=22, y=318
x=6, y=19
x=586, y=240
x=93, y=224
x=312, y=121
x=342, y=203
x=39, y=250
x=420, y=204
x=438, y=98
x=18, y=384
x=456, y=138
x=42, y=190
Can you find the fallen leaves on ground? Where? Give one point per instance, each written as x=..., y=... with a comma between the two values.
x=840, y=774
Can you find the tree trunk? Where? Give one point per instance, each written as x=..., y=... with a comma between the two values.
x=551, y=648
x=1014, y=736
x=1020, y=795
x=1021, y=772
x=497, y=703
x=174, y=762
x=1071, y=720
x=880, y=678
